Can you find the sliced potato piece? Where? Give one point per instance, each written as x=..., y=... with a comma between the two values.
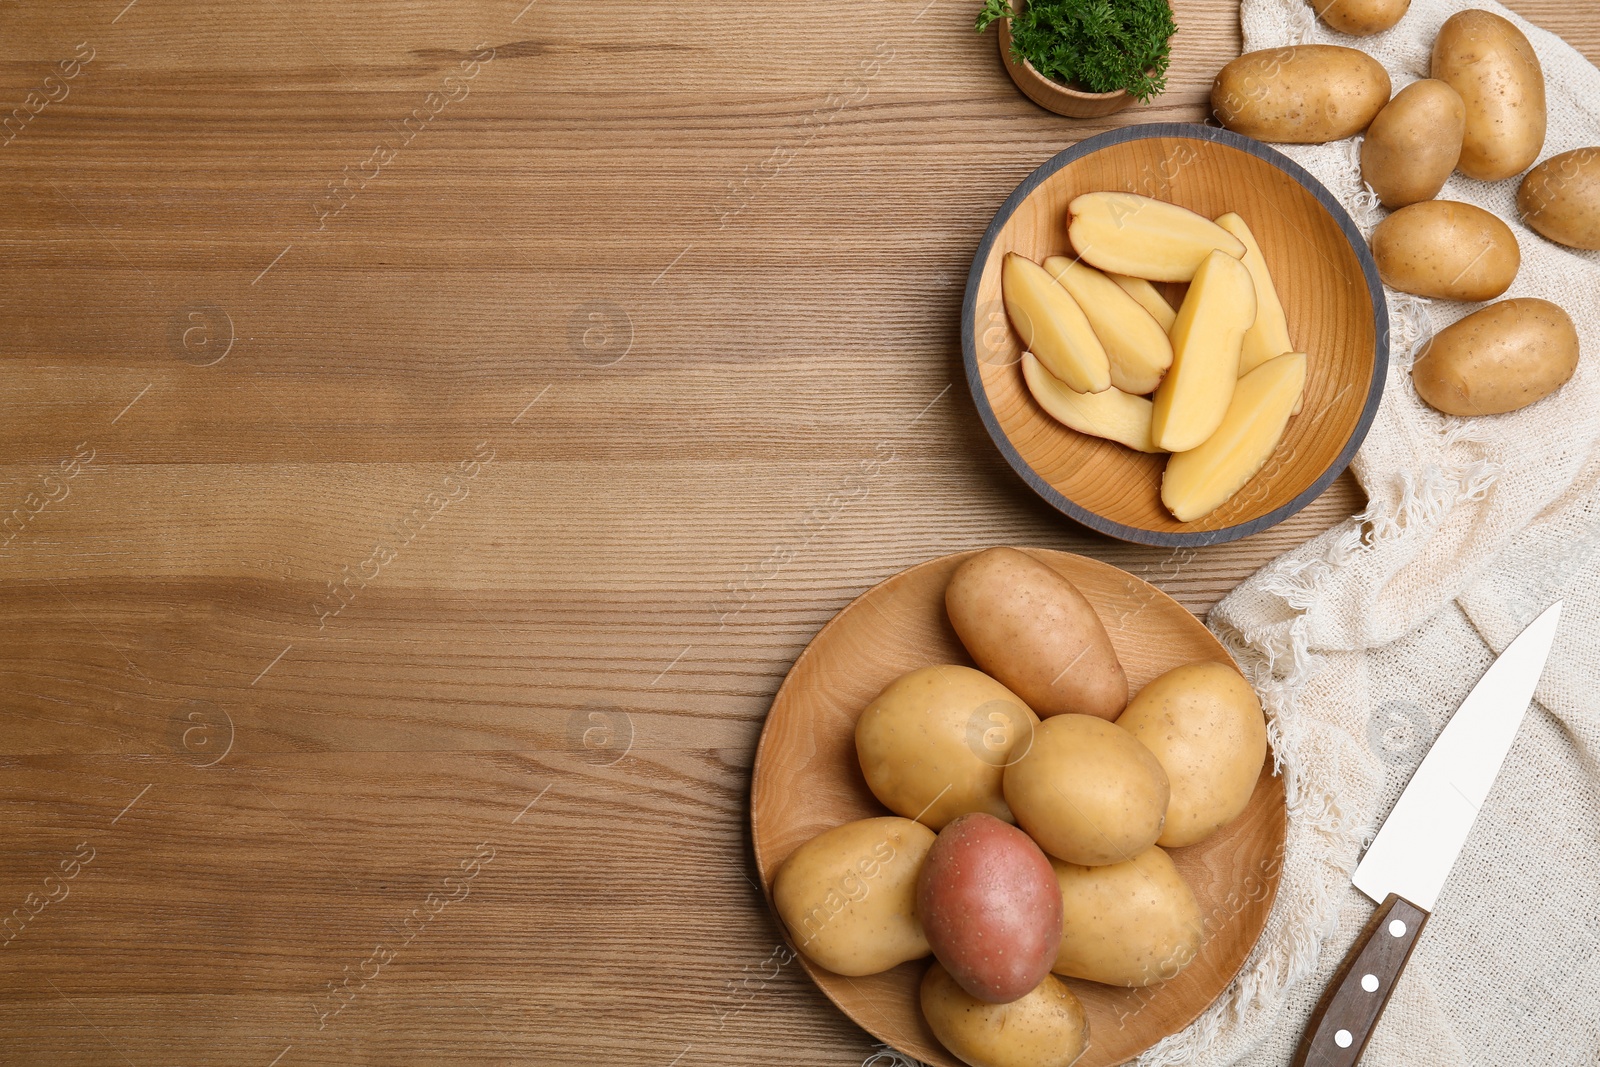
x=1112, y=414
x=1149, y=298
x=1201, y=480
x=1135, y=343
x=1053, y=326
x=1269, y=337
x=1206, y=341
x=1152, y=239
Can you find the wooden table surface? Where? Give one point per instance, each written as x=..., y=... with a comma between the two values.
x=428, y=433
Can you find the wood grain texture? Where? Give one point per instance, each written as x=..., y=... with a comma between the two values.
x=1343, y=1021
x=808, y=779
x=1331, y=299
x=711, y=351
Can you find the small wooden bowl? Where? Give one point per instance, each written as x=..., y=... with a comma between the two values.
x=1053, y=95
x=1324, y=275
x=807, y=779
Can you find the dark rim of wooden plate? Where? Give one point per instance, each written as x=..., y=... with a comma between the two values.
x=1249, y=145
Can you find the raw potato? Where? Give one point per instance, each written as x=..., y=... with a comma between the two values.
x=1491, y=64
x=1126, y=233
x=1414, y=143
x=1046, y=1028
x=1305, y=94
x=1030, y=628
x=1135, y=343
x=1201, y=480
x=1561, y=198
x=934, y=743
x=1448, y=250
x=991, y=908
x=1361, y=18
x=1499, y=359
x=1052, y=325
x=1149, y=298
x=1088, y=791
x=1113, y=414
x=1206, y=342
x=1133, y=923
x=1205, y=726
x=849, y=895
x=1269, y=336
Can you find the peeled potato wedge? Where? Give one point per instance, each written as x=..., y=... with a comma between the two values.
x=1112, y=414
x=1052, y=325
x=1151, y=239
x=1149, y=298
x=1201, y=480
x=1206, y=341
x=1135, y=343
x=1269, y=336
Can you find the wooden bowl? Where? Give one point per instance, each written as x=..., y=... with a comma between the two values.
x=807, y=780
x=1053, y=95
x=1323, y=273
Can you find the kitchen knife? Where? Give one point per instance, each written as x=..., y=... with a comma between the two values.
x=1407, y=863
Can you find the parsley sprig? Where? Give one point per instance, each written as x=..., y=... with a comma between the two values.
x=1099, y=45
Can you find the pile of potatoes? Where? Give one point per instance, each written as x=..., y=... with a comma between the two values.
x=1481, y=112
x=1033, y=806
x=1214, y=383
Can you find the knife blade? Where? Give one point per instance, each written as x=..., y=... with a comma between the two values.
x=1406, y=865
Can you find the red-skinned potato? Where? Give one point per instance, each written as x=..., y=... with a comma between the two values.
x=1030, y=629
x=990, y=907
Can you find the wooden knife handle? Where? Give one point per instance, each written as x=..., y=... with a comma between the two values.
x=1339, y=1029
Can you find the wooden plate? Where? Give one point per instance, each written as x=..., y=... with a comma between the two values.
x=807, y=780
x=1323, y=273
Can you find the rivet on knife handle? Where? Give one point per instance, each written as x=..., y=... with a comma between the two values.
x=1348, y=1012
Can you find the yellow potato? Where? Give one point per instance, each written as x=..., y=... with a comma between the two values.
x=1201, y=480
x=1491, y=64
x=1030, y=628
x=1499, y=359
x=1132, y=923
x=1088, y=791
x=934, y=743
x=1134, y=341
x=1448, y=250
x=1126, y=233
x=1113, y=414
x=1269, y=335
x=1561, y=198
x=1149, y=298
x=1207, y=339
x=1205, y=726
x=1046, y=1028
x=1414, y=143
x=1361, y=18
x=1305, y=94
x=849, y=895
x=1052, y=325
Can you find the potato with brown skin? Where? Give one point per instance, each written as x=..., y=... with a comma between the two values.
x=1560, y=198
x=849, y=895
x=1131, y=924
x=1088, y=791
x=990, y=907
x=1304, y=94
x=1205, y=726
x=1448, y=250
x=1499, y=359
x=1046, y=1028
x=1029, y=627
x=1361, y=18
x=935, y=742
x=1414, y=143
x=1491, y=64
